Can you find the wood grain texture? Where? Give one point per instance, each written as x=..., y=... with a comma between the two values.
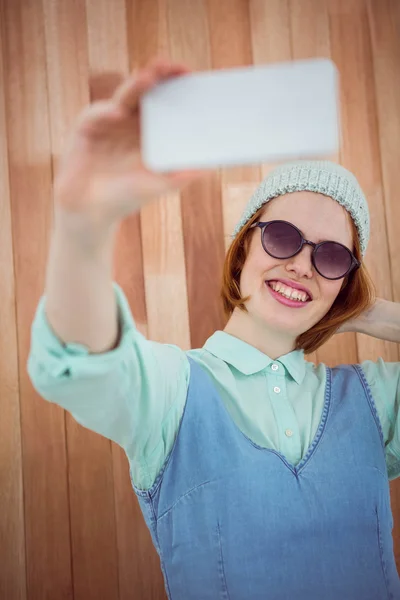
x=309, y=24
x=70, y=524
x=12, y=530
x=164, y=268
x=270, y=31
x=384, y=22
x=231, y=47
x=44, y=469
x=271, y=39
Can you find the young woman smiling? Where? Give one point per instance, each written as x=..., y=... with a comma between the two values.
x=259, y=474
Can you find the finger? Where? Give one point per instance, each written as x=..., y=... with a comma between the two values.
x=161, y=64
x=163, y=67
x=102, y=112
x=129, y=92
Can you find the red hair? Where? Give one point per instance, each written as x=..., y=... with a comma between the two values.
x=357, y=294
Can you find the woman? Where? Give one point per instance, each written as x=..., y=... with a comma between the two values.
x=259, y=474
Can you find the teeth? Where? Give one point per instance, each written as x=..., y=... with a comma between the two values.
x=288, y=292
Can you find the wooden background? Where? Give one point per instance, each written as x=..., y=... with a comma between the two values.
x=70, y=526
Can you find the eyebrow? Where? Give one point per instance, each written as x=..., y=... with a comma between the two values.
x=330, y=240
x=320, y=240
x=324, y=239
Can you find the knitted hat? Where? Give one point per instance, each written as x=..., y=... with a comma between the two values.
x=324, y=177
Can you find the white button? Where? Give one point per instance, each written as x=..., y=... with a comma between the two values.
x=277, y=390
x=289, y=432
x=274, y=367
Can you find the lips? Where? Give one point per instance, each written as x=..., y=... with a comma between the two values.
x=282, y=299
x=293, y=285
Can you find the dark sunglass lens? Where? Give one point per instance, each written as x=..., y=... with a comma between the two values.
x=281, y=240
x=332, y=260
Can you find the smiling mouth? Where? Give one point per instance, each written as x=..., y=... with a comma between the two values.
x=287, y=301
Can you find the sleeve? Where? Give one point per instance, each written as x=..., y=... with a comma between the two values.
x=384, y=381
x=133, y=395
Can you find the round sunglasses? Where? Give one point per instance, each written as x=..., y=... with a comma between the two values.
x=281, y=239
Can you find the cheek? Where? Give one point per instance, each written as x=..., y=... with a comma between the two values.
x=254, y=270
x=246, y=277
x=330, y=291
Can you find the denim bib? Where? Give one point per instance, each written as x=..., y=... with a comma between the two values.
x=234, y=521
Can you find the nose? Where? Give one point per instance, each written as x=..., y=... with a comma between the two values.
x=301, y=263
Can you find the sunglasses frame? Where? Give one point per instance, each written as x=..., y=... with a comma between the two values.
x=355, y=264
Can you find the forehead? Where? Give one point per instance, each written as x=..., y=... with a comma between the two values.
x=318, y=217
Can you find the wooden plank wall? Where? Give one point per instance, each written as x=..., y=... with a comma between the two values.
x=70, y=525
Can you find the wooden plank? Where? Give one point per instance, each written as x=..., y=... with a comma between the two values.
x=12, y=534
x=309, y=25
x=271, y=42
x=230, y=47
x=384, y=22
x=235, y=198
x=164, y=268
x=48, y=564
x=201, y=201
x=270, y=31
x=204, y=254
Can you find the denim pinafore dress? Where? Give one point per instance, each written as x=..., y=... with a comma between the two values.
x=234, y=521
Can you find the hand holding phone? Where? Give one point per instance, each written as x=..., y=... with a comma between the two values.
x=101, y=175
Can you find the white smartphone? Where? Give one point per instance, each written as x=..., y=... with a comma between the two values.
x=242, y=116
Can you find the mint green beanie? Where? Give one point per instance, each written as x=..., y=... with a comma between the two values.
x=324, y=177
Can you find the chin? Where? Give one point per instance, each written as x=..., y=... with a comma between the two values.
x=292, y=322
x=274, y=321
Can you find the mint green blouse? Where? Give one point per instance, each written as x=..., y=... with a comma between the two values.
x=136, y=393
